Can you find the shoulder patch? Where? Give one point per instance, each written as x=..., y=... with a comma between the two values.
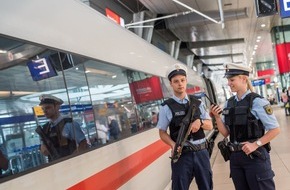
x=268, y=109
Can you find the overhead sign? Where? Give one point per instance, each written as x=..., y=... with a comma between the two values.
x=115, y=17
x=75, y=108
x=284, y=8
x=41, y=69
x=259, y=82
x=266, y=7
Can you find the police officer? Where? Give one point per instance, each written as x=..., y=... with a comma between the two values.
x=64, y=133
x=192, y=163
x=246, y=117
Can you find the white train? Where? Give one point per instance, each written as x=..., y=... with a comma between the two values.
x=140, y=161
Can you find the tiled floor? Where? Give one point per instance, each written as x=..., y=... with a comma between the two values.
x=280, y=157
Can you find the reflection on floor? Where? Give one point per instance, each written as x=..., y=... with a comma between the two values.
x=280, y=157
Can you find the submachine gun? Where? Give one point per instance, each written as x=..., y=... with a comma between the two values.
x=183, y=132
x=47, y=142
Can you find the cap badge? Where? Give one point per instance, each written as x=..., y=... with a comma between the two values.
x=177, y=67
x=227, y=68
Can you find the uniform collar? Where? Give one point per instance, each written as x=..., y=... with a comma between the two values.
x=243, y=96
x=182, y=101
x=54, y=123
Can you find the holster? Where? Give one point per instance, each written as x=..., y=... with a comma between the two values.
x=224, y=149
x=267, y=146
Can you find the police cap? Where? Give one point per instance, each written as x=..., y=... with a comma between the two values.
x=49, y=99
x=236, y=69
x=176, y=69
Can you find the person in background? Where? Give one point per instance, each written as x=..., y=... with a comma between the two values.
x=102, y=131
x=284, y=99
x=114, y=129
x=4, y=162
x=133, y=123
x=246, y=118
x=288, y=95
x=64, y=133
x=154, y=118
x=194, y=160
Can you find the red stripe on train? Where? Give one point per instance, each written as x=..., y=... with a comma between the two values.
x=119, y=173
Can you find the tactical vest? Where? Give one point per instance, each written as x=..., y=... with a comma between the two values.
x=178, y=112
x=242, y=123
x=64, y=146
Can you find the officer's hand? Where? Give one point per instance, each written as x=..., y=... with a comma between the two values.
x=172, y=149
x=215, y=110
x=44, y=150
x=248, y=147
x=195, y=125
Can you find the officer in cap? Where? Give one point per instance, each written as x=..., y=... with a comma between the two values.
x=193, y=162
x=236, y=69
x=245, y=119
x=64, y=133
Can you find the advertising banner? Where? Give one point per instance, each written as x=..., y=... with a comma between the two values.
x=146, y=90
x=283, y=57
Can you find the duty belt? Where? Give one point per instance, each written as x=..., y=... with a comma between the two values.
x=238, y=147
x=235, y=147
x=194, y=147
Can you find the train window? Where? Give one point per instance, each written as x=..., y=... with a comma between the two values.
x=96, y=95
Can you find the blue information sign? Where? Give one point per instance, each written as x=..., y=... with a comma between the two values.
x=284, y=8
x=75, y=108
x=259, y=82
x=41, y=69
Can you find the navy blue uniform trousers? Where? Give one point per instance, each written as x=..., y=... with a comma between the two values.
x=189, y=165
x=252, y=173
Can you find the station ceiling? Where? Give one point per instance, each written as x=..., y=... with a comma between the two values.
x=240, y=36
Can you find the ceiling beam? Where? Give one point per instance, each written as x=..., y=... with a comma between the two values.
x=212, y=43
x=220, y=56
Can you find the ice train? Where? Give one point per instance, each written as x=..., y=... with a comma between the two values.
x=139, y=160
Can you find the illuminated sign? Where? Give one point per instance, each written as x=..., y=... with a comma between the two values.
x=38, y=111
x=259, y=82
x=113, y=16
x=75, y=108
x=41, y=69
